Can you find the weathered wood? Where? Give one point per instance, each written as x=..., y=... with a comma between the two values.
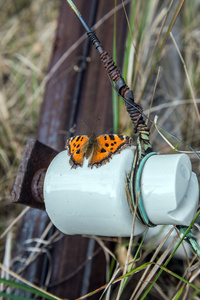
x=69, y=256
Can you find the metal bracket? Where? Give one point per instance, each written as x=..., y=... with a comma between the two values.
x=28, y=185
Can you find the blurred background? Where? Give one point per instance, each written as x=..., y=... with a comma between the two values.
x=27, y=33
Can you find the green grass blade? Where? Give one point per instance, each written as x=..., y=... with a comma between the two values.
x=168, y=260
x=134, y=259
x=129, y=41
x=176, y=13
x=114, y=94
x=179, y=293
x=10, y=296
x=26, y=288
x=176, y=147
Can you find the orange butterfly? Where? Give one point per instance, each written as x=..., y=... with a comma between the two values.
x=99, y=150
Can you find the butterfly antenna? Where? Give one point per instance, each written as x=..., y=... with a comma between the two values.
x=134, y=109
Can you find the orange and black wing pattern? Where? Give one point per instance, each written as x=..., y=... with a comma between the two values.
x=107, y=146
x=76, y=147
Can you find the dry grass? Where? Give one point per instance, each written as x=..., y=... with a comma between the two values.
x=176, y=99
x=27, y=30
x=174, y=84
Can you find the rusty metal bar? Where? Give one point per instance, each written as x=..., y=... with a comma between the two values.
x=69, y=255
x=30, y=178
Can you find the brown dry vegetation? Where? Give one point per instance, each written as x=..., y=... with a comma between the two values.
x=27, y=30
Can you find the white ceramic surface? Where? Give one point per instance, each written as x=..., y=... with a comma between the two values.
x=90, y=201
x=169, y=189
x=94, y=201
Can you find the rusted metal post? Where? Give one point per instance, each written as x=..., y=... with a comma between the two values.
x=73, y=271
x=30, y=178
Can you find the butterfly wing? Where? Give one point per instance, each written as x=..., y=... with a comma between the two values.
x=107, y=146
x=76, y=149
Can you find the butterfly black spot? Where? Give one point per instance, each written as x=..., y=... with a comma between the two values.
x=106, y=145
x=111, y=149
x=112, y=137
x=105, y=138
x=74, y=144
x=112, y=144
x=103, y=150
x=78, y=138
x=77, y=146
x=78, y=151
x=115, y=143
